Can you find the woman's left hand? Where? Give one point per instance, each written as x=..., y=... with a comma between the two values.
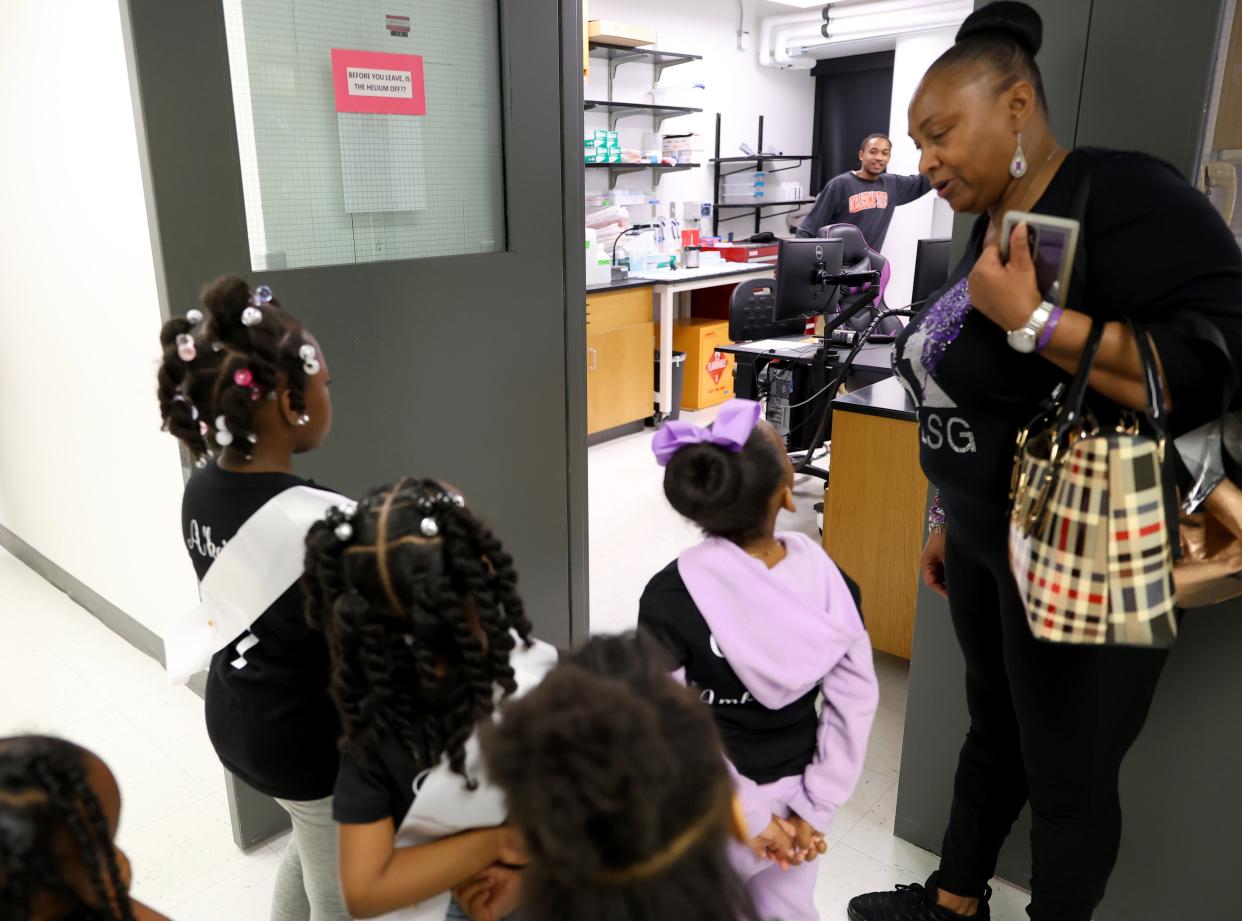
x=1006, y=293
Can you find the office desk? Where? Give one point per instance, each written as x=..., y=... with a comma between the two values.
x=873, y=364
x=669, y=283
x=874, y=508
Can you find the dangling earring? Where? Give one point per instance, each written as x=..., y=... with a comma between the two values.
x=1017, y=167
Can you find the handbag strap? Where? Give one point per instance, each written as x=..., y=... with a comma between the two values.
x=1157, y=413
x=1071, y=412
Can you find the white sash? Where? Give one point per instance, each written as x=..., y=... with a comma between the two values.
x=258, y=565
x=444, y=806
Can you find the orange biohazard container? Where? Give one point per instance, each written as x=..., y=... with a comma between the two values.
x=709, y=373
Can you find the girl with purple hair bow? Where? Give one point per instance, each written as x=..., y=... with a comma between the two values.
x=765, y=627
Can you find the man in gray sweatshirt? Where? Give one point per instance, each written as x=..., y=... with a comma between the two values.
x=865, y=197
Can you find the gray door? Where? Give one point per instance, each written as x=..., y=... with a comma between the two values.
x=420, y=231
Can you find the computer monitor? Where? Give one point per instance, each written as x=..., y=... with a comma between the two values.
x=800, y=288
x=931, y=269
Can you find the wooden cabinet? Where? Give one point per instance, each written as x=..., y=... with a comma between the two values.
x=619, y=359
x=873, y=520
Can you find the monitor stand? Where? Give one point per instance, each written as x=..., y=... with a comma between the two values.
x=825, y=356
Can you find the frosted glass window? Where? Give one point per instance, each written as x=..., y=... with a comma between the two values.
x=368, y=130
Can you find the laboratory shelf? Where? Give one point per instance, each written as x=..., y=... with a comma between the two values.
x=659, y=169
x=616, y=55
x=768, y=204
x=619, y=110
x=761, y=159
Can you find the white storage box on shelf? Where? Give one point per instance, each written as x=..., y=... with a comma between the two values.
x=685, y=148
x=744, y=188
x=786, y=191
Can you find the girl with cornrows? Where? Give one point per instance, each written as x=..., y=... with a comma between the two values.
x=427, y=634
x=244, y=387
x=616, y=775
x=59, y=811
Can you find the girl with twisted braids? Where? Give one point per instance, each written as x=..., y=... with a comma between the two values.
x=244, y=387
x=427, y=633
x=59, y=810
x=616, y=777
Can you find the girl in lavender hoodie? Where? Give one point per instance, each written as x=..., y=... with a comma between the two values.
x=765, y=626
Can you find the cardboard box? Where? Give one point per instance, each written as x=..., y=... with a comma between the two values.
x=611, y=32
x=709, y=374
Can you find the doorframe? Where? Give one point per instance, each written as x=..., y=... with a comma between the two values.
x=574, y=219
x=172, y=165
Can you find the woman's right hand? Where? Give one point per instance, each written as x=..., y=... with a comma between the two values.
x=932, y=564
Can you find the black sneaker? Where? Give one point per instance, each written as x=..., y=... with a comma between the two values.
x=911, y=903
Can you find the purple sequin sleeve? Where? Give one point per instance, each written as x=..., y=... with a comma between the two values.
x=943, y=322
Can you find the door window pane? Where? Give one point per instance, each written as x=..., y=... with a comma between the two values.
x=367, y=130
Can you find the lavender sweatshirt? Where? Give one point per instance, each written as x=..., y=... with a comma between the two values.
x=785, y=631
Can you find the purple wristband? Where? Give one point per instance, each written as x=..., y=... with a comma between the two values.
x=1046, y=336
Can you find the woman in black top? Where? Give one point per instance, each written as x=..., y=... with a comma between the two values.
x=244, y=387
x=1050, y=724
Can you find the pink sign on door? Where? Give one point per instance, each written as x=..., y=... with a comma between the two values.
x=378, y=83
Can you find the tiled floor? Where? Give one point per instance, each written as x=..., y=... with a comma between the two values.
x=62, y=672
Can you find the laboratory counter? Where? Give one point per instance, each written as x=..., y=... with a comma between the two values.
x=888, y=399
x=875, y=505
x=621, y=334
x=622, y=284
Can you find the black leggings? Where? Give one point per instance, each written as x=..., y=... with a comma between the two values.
x=1049, y=724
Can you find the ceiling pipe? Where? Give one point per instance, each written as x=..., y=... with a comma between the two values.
x=768, y=24
x=851, y=37
x=792, y=37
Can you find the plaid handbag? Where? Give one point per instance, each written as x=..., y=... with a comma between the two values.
x=1089, y=542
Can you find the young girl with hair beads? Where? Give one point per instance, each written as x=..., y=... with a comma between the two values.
x=615, y=776
x=427, y=634
x=244, y=387
x=59, y=811
x=765, y=627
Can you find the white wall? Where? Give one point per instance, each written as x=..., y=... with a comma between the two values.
x=86, y=476
x=929, y=216
x=736, y=86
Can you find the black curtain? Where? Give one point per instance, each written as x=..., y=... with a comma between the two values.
x=853, y=97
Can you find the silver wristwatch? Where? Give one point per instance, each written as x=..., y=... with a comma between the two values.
x=1024, y=338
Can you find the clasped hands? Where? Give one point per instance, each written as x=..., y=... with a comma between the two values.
x=495, y=892
x=789, y=842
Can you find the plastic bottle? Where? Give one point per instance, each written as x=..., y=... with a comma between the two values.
x=598, y=262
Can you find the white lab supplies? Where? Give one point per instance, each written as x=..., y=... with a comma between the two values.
x=601, y=217
x=598, y=260
x=685, y=148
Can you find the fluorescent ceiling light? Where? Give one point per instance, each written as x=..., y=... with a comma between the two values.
x=881, y=7
x=944, y=16
x=802, y=4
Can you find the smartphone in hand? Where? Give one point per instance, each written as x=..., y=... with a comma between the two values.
x=1054, y=242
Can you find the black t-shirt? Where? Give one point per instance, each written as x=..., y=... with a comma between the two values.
x=271, y=721
x=764, y=745
x=376, y=786
x=1156, y=251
